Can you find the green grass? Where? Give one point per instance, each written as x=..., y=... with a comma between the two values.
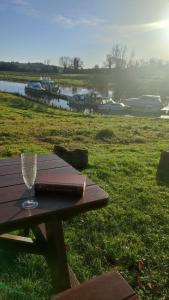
x=18, y=76
x=63, y=79
x=131, y=234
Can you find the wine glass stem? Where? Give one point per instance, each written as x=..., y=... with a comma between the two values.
x=30, y=192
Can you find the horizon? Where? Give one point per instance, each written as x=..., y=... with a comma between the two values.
x=40, y=31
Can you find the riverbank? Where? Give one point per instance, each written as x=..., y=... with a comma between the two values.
x=61, y=100
x=62, y=79
x=131, y=234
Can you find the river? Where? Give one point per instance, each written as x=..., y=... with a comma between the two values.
x=17, y=87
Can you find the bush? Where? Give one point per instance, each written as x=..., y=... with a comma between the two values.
x=105, y=134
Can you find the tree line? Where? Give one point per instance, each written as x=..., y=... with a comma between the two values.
x=118, y=58
x=71, y=63
x=120, y=71
x=28, y=67
x=65, y=64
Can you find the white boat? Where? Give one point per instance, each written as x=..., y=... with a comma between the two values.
x=113, y=107
x=43, y=85
x=146, y=104
x=48, y=84
x=34, y=85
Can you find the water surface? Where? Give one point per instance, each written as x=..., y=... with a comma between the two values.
x=17, y=87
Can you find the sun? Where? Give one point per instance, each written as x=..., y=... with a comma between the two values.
x=163, y=24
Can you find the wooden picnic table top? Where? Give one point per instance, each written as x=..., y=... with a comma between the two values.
x=13, y=192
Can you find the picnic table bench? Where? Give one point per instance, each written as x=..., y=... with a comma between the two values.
x=109, y=286
x=46, y=220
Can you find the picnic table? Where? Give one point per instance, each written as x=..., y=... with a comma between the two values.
x=45, y=221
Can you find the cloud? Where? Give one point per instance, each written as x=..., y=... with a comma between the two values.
x=15, y=3
x=69, y=22
x=21, y=6
x=129, y=31
x=105, y=30
x=19, y=3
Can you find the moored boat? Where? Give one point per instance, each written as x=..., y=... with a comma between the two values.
x=34, y=85
x=49, y=85
x=44, y=86
x=112, y=107
x=145, y=104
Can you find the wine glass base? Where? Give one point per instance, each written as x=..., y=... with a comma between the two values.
x=28, y=204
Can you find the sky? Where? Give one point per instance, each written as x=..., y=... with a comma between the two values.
x=40, y=30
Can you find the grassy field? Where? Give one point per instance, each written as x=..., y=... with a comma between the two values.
x=131, y=234
x=76, y=80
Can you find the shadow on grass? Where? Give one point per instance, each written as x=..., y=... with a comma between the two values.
x=8, y=267
x=23, y=277
x=20, y=103
x=90, y=167
x=162, y=177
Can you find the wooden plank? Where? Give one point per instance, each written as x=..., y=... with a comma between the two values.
x=10, y=242
x=13, y=193
x=16, y=160
x=42, y=229
x=15, y=179
x=40, y=233
x=110, y=286
x=13, y=216
x=56, y=256
x=73, y=279
x=42, y=165
x=19, y=191
x=135, y=297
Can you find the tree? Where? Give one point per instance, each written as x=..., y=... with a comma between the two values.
x=120, y=62
x=131, y=62
x=47, y=62
x=96, y=67
x=109, y=61
x=65, y=62
x=77, y=63
x=119, y=56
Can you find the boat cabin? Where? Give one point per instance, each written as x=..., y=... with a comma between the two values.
x=112, y=107
x=34, y=85
x=147, y=104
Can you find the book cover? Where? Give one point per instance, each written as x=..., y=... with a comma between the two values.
x=63, y=183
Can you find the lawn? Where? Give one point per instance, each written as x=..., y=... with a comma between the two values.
x=131, y=234
x=77, y=80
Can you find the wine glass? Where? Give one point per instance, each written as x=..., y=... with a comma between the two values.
x=29, y=170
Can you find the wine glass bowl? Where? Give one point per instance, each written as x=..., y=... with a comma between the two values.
x=29, y=171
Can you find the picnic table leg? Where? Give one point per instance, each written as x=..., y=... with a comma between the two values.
x=56, y=256
x=25, y=231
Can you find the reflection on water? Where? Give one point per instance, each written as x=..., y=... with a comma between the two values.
x=12, y=87
x=70, y=91
x=16, y=87
x=60, y=103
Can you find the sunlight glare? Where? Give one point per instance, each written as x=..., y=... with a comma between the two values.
x=163, y=24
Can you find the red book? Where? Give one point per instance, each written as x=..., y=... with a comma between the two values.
x=63, y=183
